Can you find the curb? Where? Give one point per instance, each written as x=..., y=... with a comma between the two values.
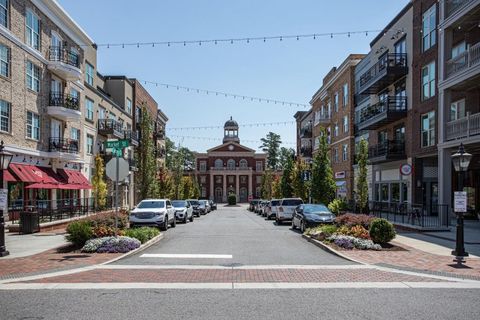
x=331, y=250
x=144, y=246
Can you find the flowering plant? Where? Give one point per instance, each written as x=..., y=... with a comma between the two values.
x=111, y=245
x=349, y=242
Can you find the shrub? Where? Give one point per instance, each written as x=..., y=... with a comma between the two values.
x=329, y=229
x=111, y=245
x=142, y=234
x=350, y=220
x=232, y=199
x=337, y=206
x=349, y=242
x=359, y=232
x=107, y=219
x=105, y=231
x=78, y=232
x=381, y=231
x=321, y=232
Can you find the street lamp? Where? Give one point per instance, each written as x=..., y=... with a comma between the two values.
x=5, y=159
x=461, y=161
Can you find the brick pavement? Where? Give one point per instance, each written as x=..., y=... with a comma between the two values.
x=233, y=275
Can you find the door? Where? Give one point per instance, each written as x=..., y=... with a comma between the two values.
x=218, y=195
x=56, y=47
x=56, y=131
x=243, y=194
x=56, y=93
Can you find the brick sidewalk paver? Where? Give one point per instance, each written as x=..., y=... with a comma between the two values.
x=50, y=261
x=233, y=275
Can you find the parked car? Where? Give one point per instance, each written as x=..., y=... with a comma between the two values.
x=183, y=210
x=258, y=206
x=272, y=208
x=153, y=212
x=213, y=205
x=195, y=207
x=286, y=208
x=252, y=204
x=311, y=215
x=265, y=208
x=203, y=206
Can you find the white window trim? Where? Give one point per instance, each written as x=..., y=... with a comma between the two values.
x=87, y=111
x=430, y=131
x=87, y=145
x=33, y=128
x=6, y=61
x=29, y=32
x=9, y=118
x=7, y=15
x=34, y=78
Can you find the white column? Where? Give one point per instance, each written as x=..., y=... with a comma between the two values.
x=249, y=186
x=445, y=177
x=224, y=195
x=211, y=177
x=237, y=182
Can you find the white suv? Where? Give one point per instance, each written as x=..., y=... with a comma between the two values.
x=153, y=212
x=286, y=208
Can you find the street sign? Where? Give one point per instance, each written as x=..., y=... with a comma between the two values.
x=111, y=169
x=117, y=153
x=3, y=198
x=460, y=201
x=117, y=144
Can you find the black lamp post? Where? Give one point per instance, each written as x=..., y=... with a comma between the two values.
x=5, y=158
x=461, y=161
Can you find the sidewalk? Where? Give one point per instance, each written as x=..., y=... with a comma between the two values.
x=22, y=245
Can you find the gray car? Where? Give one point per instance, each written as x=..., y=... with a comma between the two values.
x=153, y=212
x=183, y=210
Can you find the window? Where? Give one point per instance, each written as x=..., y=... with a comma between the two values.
x=4, y=116
x=243, y=164
x=89, y=73
x=112, y=116
x=32, y=30
x=102, y=112
x=335, y=155
x=33, y=126
x=335, y=102
x=4, y=60
x=428, y=81
x=259, y=166
x=428, y=129
x=89, y=144
x=231, y=179
x=399, y=133
x=345, y=95
x=329, y=110
x=335, y=130
x=219, y=163
x=401, y=47
x=258, y=179
x=218, y=179
x=382, y=137
x=129, y=106
x=459, y=49
x=429, y=24
x=88, y=109
x=243, y=179
x=75, y=134
x=74, y=94
x=345, y=124
x=203, y=166
x=4, y=13
x=203, y=179
x=138, y=114
x=345, y=152
x=231, y=164
x=33, y=77
x=457, y=110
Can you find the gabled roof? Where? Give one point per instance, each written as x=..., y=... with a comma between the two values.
x=237, y=147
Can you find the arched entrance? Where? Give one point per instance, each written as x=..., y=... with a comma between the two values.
x=218, y=195
x=243, y=194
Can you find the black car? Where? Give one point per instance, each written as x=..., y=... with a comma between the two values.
x=311, y=215
x=251, y=207
x=195, y=206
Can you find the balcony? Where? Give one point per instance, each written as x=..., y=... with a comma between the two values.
x=453, y=6
x=387, y=151
x=306, y=151
x=231, y=169
x=110, y=128
x=323, y=119
x=64, y=106
x=382, y=113
x=464, y=62
x=463, y=128
x=65, y=149
x=387, y=70
x=132, y=137
x=65, y=63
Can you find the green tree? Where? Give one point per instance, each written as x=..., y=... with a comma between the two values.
x=147, y=166
x=284, y=156
x=270, y=145
x=165, y=185
x=98, y=182
x=323, y=184
x=276, y=188
x=170, y=150
x=299, y=186
x=267, y=180
x=286, y=180
x=177, y=169
x=362, y=184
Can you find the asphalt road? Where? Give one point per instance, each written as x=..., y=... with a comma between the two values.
x=235, y=231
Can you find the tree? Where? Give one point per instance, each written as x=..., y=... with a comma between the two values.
x=99, y=184
x=147, y=165
x=267, y=180
x=286, y=180
x=165, y=185
x=299, y=186
x=323, y=184
x=284, y=155
x=177, y=169
x=362, y=184
x=270, y=145
x=169, y=151
x=276, y=188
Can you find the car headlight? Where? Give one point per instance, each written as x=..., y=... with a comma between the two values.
x=132, y=214
x=161, y=213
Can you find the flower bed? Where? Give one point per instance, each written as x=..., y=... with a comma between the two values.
x=111, y=245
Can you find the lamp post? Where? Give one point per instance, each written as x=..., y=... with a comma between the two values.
x=461, y=161
x=5, y=158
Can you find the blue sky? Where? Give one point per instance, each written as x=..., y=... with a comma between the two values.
x=288, y=70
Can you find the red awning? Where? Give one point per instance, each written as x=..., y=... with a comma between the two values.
x=7, y=176
x=34, y=174
x=74, y=179
x=43, y=186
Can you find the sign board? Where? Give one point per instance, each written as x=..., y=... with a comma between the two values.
x=340, y=175
x=111, y=169
x=117, y=144
x=460, y=201
x=117, y=152
x=3, y=198
x=306, y=175
x=406, y=169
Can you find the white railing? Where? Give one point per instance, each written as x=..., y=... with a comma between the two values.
x=464, y=127
x=465, y=60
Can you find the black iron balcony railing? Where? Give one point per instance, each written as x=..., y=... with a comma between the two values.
x=388, y=150
x=452, y=6
x=387, y=70
x=132, y=136
x=382, y=113
x=306, y=132
x=63, y=145
x=64, y=55
x=306, y=151
x=68, y=101
x=110, y=127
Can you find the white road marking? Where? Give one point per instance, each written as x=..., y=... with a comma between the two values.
x=186, y=256
x=246, y=267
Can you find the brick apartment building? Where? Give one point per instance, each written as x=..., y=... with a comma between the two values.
x=304, y=120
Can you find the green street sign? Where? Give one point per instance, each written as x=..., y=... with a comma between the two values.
x=117, y=144
x=117, y=153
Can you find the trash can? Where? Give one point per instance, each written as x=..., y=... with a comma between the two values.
x=29, y=222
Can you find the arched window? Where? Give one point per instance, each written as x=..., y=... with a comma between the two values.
x=231, y=164
x=219, y=163
x=243, y=164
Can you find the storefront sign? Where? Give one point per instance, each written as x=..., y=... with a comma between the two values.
x=406, y=169
x=3, y=198
x=340, y=175
x=460, y=201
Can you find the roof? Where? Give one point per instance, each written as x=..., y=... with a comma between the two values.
x=231, y=123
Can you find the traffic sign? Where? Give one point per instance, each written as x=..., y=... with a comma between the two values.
x=117, y=144
x=111, y=169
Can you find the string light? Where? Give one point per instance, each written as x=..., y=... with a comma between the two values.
x=227, y=94
x=240, y=125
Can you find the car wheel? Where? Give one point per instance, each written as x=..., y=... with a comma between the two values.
x=174, y=223
x=191, y=218
x=277, y=221
x=302, y=226
x=164, y=226
x=293, y=225
x=185, y=219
